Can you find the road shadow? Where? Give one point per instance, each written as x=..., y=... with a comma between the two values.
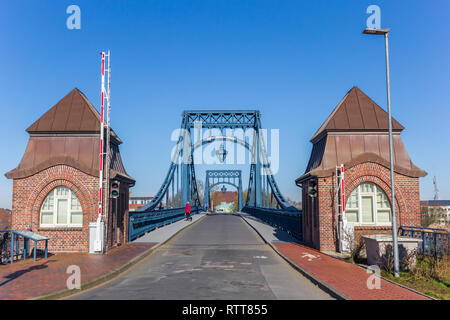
x=13, y=276
x=280, y=234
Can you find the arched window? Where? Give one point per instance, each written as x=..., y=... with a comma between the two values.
x=61, y=208
x=368, y=204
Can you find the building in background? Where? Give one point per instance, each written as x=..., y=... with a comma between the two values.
x=217, y=197
x=227, y=207
x=55, y=185
x=435, y=213
x=138, y=202
x=5, y=219
x=356, y=135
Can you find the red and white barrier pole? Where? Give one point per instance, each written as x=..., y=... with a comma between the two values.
x=342, y=213
x=99, y=241
x=342, y=190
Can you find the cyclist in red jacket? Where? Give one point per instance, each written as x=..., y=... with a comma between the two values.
x=187, y=211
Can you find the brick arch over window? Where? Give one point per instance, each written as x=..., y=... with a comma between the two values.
x=366, y=175
x=51, y=181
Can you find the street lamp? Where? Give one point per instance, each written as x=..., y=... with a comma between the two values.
x=385, y=32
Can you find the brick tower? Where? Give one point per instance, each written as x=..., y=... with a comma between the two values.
x=356, y=135
x=55, y=185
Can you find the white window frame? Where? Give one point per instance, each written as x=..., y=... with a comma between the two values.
x=54, y=211
x=375, y=206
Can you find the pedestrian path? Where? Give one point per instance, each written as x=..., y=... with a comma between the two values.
x=346, y=279
x=28, y=279
x=163, y=234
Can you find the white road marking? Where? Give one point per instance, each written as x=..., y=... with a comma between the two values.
x=309, y=256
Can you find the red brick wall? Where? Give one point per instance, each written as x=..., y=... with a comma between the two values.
x=406, y=193
x=327, y=216
x=122, y=217
x=310, y=223
x=30, y=192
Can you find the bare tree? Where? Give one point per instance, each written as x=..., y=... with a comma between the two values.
x=201, y=190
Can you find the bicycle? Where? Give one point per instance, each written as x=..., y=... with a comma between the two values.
x=4, y=247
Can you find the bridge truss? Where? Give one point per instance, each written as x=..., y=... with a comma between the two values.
x=219, y=177
x=264, y=198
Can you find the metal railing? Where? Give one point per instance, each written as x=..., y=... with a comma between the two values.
x=289, y=221
x=141, y=223
x=435, y=242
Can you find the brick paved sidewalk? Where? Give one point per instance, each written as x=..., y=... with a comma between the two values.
x=345, y=277
x=28, y=279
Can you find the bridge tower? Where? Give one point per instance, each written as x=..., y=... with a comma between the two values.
x=217, y=177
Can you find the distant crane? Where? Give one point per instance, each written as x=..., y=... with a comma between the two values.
x=436, y=190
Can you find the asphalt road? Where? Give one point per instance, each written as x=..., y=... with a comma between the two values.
x=220, y=257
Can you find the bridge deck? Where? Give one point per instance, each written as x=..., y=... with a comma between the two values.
x=220, y=257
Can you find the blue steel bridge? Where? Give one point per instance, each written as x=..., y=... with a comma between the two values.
x=264, y=199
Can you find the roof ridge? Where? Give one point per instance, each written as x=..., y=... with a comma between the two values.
x=324, y=124
x=359, y=104
x=363, y=103
x=68, y=115
x=377, y=106
x=93, y=109
x=70, y=110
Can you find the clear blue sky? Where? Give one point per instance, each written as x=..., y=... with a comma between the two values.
x=293, y=60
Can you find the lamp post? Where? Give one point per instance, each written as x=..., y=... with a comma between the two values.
x=385, y=32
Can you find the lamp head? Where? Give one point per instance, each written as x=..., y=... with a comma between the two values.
x=376, y=31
